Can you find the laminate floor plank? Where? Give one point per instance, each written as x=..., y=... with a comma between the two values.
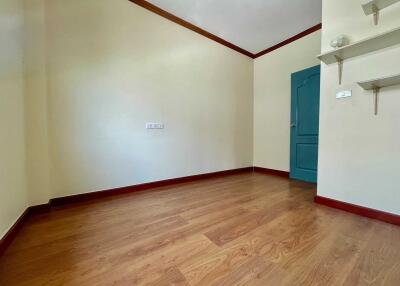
x=245, y=229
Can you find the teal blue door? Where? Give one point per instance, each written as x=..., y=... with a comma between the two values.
x=305, y=124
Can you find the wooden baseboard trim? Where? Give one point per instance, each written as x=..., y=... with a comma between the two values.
x=267, y=171
x=62, y=201
x=13, y=231
x=39, y=209
x=359, y=210
x=135, y=188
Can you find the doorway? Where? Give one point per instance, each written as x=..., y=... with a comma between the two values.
x=305, y=124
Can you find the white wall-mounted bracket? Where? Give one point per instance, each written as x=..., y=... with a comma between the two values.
x=359, y=48
x=376, y=14
x=376, y=84
x=340, y=67
x=376, y=90
x=375, y=6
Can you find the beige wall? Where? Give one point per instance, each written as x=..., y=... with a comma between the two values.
x=272, y=92
x=81, y=78
x=13, y=195
x=359, y=153
x=36, y=109
x=94, y=76
x=113, y=66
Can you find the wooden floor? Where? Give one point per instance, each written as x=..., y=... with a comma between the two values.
x=248, y=229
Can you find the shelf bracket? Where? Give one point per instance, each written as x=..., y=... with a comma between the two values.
x=376, y=90
x=340, y=67
x=375, y=10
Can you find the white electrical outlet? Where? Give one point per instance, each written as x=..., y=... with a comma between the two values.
x=343, y=94
x=151, y=125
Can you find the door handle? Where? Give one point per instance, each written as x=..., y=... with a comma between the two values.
x=292, y=125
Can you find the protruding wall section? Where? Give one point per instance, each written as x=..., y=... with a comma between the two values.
x=36, y=102
x=13, y=191
x=359, y=152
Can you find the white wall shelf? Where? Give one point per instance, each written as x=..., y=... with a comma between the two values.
x=365, y=46
x=376, y=84
x=380, y=82
x=368, y=45
x=374, y=6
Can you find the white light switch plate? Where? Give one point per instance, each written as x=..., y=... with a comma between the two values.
x=151, y=125
x=343, y=94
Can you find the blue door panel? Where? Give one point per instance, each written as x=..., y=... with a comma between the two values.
x=307, y=156
x=305, y=124
x=308, y=107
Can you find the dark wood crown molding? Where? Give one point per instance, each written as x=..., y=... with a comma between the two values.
x=290, y=40
x=190, y=26
x=180, y=21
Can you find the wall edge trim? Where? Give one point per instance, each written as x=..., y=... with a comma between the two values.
x=359, y=210
x=177, y=20
x=12, y=233
x=268, y=171
x=157, y=10
x=60, y=201
x=289, y=40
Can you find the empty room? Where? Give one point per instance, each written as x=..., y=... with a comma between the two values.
x=199, y=142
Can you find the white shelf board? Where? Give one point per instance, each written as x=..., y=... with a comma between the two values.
x=365, y=46
x=380, y=82
x=379, y=4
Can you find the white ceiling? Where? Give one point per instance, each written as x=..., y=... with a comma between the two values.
x=253, y=25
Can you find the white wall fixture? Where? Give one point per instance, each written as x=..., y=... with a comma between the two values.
x=359, y=48
x=343, y=94
x=376, y=84
x=336, y=43
x=151, y=125
x=374, y=6
x=339, y=42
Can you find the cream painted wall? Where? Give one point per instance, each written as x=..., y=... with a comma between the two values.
x=272, y=92
x=359, y=153
x=114, y=66
x=36, y=109
x=13, y=195
x=94, y=77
